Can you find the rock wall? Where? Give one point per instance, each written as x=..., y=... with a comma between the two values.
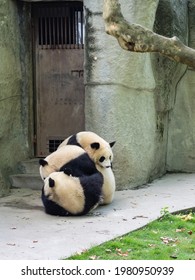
x=120, y=96
x=13, y=99
x=131, y=97
x=181, y=140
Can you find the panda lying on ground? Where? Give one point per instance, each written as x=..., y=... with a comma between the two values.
x=64, y=195
x=75, y=162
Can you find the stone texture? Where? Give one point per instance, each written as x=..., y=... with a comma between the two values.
x=120, y=98
x=181, y=135
x=191, y=24
x=181, y=144
x=123, y=119
x=13, y=138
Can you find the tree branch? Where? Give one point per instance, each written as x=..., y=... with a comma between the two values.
x=136, y=38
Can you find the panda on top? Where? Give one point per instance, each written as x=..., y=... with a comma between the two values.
x=100, y=151
x=97, y=148
x=76, y=177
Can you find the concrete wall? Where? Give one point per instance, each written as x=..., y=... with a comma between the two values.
x=181, y=140
x=129, y=95
x=14, y=110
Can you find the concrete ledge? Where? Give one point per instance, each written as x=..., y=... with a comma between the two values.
x=29, y=181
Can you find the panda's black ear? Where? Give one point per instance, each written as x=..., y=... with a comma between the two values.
x=43, y=162
x=51, y=183
x=112, y=144
x=95, y=145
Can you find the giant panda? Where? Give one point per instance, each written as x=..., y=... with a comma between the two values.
x=97, y=148
x=67, y=157
x=64, y=194
x=101, y=153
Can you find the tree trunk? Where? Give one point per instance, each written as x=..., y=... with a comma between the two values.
x=136, y=38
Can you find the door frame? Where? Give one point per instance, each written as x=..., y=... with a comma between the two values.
x=35, y=77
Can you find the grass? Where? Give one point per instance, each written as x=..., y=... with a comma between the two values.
x=170, y=237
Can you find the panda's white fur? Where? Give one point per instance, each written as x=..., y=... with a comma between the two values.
x=97, y=148
x=100, y=151
x=109, y=185
x=75, y=196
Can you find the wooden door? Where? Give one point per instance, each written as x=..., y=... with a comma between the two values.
x=59, y=85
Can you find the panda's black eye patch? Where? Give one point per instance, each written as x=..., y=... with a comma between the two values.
x=102, y=159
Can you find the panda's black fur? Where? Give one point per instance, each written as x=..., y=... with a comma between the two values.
x=80, y=166
x=73, y=140
x=92, y=190
x=51, y=207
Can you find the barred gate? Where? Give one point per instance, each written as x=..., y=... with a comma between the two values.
x=58, y=60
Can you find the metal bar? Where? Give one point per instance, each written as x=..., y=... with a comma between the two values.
x=64, y=28
x=69, y=28
x=61, y=31
x=58, y=28
x=77, y=28
x=45, y=40
x=61, y=26
x=49, y=30
x=82, y=26
x=40, y=30
x=73, y=28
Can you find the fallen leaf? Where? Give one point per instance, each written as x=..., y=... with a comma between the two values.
x=152, y=245
x=187, y=217
x=120, y=253
x=167, y=240
x=125, y=254
x=118, y=250
x=94, y=257
x=180, y=229
x=35, y=241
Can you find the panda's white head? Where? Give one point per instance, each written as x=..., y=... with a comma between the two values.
x=99, y=150
x=65, y=190
x=101, y=155
x=52, y=185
